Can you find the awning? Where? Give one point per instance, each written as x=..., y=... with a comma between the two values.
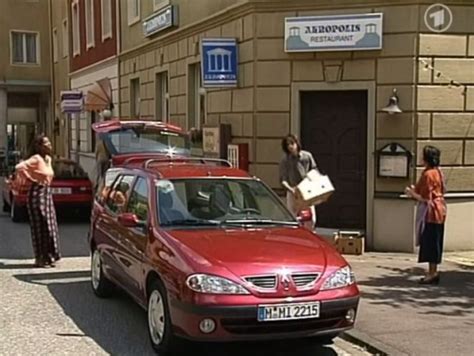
x=99, y=97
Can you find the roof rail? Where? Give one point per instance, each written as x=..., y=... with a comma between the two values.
x=202, y=160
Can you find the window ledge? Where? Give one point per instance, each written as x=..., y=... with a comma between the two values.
x=106, y=36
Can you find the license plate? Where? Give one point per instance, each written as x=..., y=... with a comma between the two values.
x=62, y=191
x=276, y=312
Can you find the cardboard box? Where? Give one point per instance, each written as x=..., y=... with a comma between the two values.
x=314, y=189
x=350, y=244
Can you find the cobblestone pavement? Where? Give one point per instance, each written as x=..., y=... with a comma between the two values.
x=53, y=311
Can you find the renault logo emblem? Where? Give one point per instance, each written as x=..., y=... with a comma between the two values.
x=285, y=281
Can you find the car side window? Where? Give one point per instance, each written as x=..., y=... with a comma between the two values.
x=138, y=202
x=119, y=193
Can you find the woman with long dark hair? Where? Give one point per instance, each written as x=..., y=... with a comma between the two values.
x=38, y=172
x=431, y=213
x=294, y=166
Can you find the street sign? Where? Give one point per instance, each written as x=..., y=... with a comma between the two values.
x=219, y=62
x=72, y=101
x=166, y=18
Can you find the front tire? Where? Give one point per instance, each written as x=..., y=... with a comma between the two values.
x=101, y=286
x=160, y=328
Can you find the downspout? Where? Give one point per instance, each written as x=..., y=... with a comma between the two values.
x=52, y=96
x=118, y=27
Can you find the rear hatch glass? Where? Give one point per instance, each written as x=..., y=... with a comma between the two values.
x=143, y=139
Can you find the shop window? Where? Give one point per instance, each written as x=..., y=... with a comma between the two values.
x=162, y=97
x=135, y=98
x=196, y=98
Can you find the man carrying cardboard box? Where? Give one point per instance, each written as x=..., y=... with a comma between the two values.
x=294, y=166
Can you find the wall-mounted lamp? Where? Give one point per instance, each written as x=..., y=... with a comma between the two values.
x=106, y=114
x=392, y=107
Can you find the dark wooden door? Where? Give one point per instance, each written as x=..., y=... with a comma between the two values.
x=334, y=130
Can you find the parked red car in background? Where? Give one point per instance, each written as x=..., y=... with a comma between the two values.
x=72, y=189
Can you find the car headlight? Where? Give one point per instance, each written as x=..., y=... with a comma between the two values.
x=341, y=278
x=203, y=283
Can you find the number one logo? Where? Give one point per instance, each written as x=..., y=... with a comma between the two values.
x=438, y=18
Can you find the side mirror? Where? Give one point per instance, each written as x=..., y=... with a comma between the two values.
x=305, y=216
x=129, y=220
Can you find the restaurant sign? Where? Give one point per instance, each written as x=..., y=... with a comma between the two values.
x=333, y=33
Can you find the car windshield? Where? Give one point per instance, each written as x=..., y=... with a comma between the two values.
x=68, y=170
x=195, y=202
x=143, y=139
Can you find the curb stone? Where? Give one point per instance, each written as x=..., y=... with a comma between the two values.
x=373, y=346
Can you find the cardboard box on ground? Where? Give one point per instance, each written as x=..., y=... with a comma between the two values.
x=314, y=189
x=348, y=242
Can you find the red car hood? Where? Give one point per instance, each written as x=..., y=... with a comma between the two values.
x=255, y=251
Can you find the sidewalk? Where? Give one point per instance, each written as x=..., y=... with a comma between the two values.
x=400, y=317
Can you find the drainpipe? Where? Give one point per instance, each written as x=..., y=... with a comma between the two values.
x=52, y=96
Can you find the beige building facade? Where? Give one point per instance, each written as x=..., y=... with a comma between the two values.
x=60, y=57
x=24, y=76
x=333, y=100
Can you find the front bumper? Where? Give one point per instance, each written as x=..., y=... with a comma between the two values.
x=236, y=323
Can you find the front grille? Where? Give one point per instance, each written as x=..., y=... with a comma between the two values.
x=305, y=280
x=263, y=282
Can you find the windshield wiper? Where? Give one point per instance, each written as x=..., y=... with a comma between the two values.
x=259, y=222
x=192, y=222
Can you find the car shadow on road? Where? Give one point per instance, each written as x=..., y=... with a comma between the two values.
x=119, y=326
x=398, y=287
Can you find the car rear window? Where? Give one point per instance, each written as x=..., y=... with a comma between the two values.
x=68, y=170
x=139, y=140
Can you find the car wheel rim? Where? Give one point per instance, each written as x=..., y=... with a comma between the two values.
x=156, y=317
x=95, y=268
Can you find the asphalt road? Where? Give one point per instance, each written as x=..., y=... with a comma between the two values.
x=54, y=312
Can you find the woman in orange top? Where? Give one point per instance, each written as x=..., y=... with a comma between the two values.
x=431, y=213
x=37, y=170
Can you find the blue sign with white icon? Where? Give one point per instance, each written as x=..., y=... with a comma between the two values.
x=219, y=62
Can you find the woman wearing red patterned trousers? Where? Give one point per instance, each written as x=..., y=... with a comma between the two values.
x=37, y=171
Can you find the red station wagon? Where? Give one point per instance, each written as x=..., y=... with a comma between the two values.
x=213, y=255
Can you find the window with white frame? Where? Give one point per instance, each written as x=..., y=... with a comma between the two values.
x=162, y=97
x=135, y=98
x=159, y=4
x=196, y=98
x=106, y=10
x=55, y=45
x=76, y=38
x=65, y=36
x=133, y=8
x=90, y=41
x=24, y=47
